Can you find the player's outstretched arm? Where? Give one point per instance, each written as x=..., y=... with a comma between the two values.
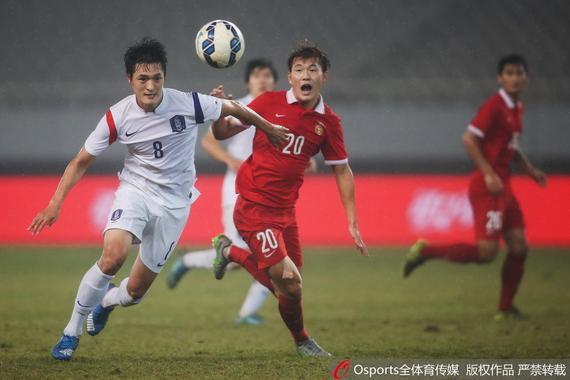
x=73, y=173
x=345, y=183
x=492, y=180
x=226, y=127
x=537, y=175
x=222, y=128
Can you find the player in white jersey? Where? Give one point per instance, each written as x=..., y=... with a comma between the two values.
x=159, y=127
x=260, y=76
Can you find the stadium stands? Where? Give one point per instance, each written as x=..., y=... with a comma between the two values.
x=415, y=66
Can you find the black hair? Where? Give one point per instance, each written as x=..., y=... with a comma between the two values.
x=307, y=50
x=145, y=51
x=511, y=59
x=259, y=63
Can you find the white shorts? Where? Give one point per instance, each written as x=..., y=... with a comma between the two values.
x=229, y=198
x=156, y=228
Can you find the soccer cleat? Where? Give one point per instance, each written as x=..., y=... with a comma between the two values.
x=97, y=319
x=65, y=347
x=510, y=314
x=310, y=348
x=176, y=273
x=414, y=258
x=253, y=320
x=220, y=242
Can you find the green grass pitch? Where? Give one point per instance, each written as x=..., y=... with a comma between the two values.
x=354, y=306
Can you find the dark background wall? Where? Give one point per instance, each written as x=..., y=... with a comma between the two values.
x=407, y=75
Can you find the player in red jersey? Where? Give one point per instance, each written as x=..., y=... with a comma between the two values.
x=268, y=185
x=492, y=141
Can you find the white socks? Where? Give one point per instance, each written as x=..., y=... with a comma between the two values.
x=93, y=290
x=256, y=295
x=90, y=293
x=199, y=259
x=120, y=296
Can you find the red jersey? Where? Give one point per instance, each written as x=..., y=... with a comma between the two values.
x=498, y=124
x=272, y=175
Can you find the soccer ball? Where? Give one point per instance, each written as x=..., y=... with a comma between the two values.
x=220, y=44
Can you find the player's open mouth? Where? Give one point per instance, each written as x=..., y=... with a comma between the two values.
x=306, y=88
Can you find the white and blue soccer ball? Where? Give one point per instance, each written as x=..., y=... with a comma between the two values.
x=220, y=44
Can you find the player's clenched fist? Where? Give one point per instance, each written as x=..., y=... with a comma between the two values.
x=46, y=217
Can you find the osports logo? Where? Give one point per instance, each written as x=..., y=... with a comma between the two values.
x=342, y=370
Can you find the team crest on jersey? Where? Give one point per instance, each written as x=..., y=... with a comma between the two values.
x=116, y=215
x=178, y=123
x=319, y=128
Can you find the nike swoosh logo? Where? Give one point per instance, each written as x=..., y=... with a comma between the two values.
x=280, y=115
x=269, y=255
x=167, y=253
x=130, y=134
x=79, y=303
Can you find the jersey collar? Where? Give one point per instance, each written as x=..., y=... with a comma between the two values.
x=163, y=103
x=507, y=99
x=320, y=108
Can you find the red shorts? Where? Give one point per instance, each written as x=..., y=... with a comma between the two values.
x=494, y=214
x=271, y=233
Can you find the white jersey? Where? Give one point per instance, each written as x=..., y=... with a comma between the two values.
x=161, y=144
x=239, y=146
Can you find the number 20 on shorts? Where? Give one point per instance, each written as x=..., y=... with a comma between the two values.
x=268, y=240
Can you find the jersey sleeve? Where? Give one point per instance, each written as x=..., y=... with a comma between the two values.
x=104, y=135
x=206, y=108
x=484, y=119
x=333, y=149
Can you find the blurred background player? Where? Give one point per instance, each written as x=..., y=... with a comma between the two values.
x=268, y=184
x=152, y=202
x=260, y=76
x=492, y=140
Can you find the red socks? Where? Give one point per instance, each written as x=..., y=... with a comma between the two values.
x=291, y=310
x=247, y=260
x=511, y=275
x=461, y=253
x=292, y=314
